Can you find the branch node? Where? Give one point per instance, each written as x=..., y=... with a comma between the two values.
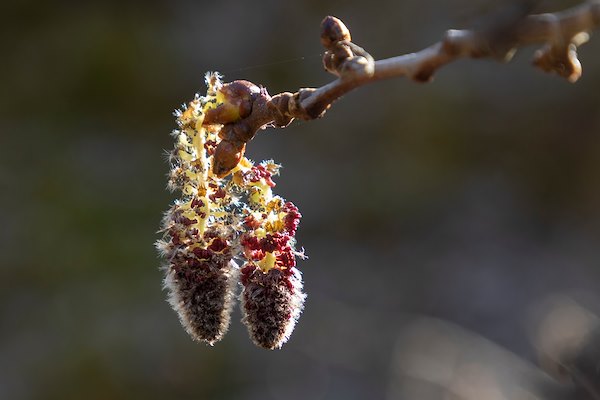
x=280, y=108
x=298, y=111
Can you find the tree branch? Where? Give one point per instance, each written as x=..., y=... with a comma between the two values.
x=560, y=34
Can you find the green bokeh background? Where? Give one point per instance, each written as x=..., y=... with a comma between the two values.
x=468, y=199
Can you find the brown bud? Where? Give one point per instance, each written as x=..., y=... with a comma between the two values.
x=227, y=156
x=237, y=99
x=333, y=30
x=560, y=60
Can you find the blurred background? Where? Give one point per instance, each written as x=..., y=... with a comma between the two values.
x=461, y=211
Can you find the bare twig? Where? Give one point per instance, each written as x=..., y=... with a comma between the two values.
x=560, y=34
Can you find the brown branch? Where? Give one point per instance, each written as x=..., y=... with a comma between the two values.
x=560, y=34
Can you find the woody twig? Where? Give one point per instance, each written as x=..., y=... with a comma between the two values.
x=560, y=34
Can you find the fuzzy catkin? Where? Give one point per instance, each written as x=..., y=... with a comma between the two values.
x=203, y=298
x=220, y=219
x=271, y=304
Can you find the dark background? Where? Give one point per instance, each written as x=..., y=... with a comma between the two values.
x=471, y=199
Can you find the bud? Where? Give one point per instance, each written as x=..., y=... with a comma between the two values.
x=333, y=31
x=560, y=60
x=234, y=102
x=561, y=57
x=227, y=156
